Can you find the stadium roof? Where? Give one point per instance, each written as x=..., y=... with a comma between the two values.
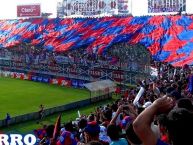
x=100, y=88
x=100, y=85
x=168, y=38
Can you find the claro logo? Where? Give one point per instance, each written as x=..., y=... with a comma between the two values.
x=27, y=10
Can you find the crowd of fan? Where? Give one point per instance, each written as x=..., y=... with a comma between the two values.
x=33, y=55
x=158, y=112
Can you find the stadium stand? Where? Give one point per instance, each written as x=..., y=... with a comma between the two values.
x=158, y=111
x=168, y=38
x=162, y=115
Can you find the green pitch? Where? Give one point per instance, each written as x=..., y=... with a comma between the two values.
x=19, y=97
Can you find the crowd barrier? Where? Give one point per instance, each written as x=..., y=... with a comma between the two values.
x=50, y=111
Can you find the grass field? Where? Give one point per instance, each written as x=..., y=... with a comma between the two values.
x=18, y=97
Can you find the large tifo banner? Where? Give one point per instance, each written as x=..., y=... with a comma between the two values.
x=159, y=6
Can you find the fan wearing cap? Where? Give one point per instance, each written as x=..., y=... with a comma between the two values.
x=147, y=104
x=91, y=133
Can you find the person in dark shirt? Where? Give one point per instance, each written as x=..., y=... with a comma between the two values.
x=7, y=119
x=41, y=112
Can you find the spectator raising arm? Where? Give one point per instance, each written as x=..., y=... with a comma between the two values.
x=142, y=124
x=132, y=112
x=119, y=110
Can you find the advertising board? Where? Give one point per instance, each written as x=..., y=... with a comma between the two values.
x=33, y=10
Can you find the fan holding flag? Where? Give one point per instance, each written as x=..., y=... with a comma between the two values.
x=65, y=138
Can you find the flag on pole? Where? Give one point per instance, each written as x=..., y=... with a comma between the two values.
x=57, y=128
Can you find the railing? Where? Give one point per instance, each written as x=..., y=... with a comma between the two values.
x=50, y=111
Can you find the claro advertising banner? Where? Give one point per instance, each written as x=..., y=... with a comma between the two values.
x=33, y=10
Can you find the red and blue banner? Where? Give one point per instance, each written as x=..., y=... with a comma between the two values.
x=168, y=38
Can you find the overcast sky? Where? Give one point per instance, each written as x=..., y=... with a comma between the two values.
x=8, y=8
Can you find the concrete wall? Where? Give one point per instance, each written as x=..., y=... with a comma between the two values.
x=35, y=115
